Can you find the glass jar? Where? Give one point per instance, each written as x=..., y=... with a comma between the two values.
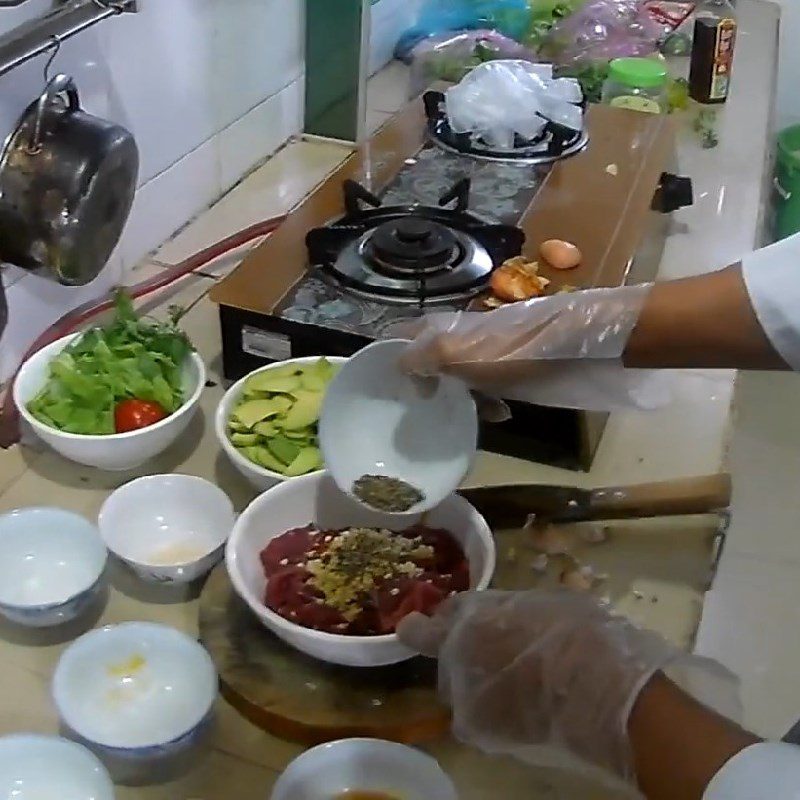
x=638, y=84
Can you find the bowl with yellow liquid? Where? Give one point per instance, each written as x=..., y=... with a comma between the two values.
x=136, y=690
x=167, y=529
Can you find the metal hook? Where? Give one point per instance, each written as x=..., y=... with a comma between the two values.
x=56, y=48
x=110, y=5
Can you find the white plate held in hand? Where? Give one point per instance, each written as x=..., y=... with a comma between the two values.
x=378, y=420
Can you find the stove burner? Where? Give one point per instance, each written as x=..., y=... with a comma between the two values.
x=413, y=253
x=411, y=245
x=554, y=143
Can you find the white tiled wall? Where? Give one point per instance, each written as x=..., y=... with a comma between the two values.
x=208, y=87
x=390, y=19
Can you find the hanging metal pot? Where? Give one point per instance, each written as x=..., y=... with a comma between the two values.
x=67, y=181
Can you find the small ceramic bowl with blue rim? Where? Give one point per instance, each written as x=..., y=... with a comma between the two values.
x=364, y=768
x=136, y=691
x=168, y=529
x=51, y=566
x=51, y=768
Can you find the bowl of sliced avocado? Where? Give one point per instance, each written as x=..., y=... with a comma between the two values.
x=267, y=422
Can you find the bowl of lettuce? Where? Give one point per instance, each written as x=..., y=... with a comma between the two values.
x=78, y=392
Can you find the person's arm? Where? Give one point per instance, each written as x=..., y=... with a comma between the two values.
x=678, y=744
x=543, y=675
x=568, y=349
x=707, y=321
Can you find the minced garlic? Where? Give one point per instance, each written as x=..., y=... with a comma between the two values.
x=357, y=560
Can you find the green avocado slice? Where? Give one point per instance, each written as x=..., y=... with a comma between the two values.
x=304, y=412
x=306, y=460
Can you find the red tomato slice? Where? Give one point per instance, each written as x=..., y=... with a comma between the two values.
x=133, y=414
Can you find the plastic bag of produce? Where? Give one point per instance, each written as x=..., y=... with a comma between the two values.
x=601, y=31
x=509, y=17
x=450, y=56
x=501, y=100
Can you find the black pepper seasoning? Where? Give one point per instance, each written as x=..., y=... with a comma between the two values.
x=387, y=494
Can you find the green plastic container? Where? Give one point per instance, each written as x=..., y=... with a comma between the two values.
x=636, y=84
x=787, y=183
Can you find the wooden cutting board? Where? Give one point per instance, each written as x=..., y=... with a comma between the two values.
x=302, y=699
x=656, y=573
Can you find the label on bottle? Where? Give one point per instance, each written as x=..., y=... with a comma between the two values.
x=636, y=103
x=723, y=59
x=264, y=344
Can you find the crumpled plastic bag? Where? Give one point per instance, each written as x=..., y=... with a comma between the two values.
x=601, y=31
x=451, y=56
x=500, y=100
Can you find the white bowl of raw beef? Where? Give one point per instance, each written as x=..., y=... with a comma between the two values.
x=316, y=499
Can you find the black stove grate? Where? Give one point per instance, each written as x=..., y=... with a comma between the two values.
x=554, y=143
x=366, y=217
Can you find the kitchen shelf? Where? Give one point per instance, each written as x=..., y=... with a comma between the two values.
x=45, y=33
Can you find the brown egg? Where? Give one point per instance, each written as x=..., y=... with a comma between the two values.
x=560, y=254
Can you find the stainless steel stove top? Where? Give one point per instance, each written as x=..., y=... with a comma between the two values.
x=498, y=193
x=464, y=276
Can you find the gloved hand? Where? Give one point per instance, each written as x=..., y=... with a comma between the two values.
x=529, y=351
x=534, y=674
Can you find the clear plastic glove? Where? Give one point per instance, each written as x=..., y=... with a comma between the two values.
x=548, y=677
x=528, y=351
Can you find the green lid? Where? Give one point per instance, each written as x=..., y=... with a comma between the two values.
x=638, y=72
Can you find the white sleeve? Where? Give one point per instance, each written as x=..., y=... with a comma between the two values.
x=772, y=277
x=768, y=771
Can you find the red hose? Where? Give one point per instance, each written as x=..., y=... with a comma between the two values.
x=9, y=415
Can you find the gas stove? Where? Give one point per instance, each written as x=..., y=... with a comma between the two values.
x=411, y=253
x=409, y=224
x=552, y=144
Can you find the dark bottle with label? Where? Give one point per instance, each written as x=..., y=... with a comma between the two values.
x=712, y=54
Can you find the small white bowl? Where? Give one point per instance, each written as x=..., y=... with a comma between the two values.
x=50, y=768
x=369, y=765
x=315, y=498
x=377, y=420
x=259, y=477
x=136, y=691
x=51, y=566
x=167, y=528
x=117, y=451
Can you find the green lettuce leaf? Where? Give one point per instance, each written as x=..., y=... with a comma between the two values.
x=132, y=357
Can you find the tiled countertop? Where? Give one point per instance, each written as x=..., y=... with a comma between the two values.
x=689, y=438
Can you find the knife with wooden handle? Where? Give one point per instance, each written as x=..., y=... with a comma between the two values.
x=511, y=505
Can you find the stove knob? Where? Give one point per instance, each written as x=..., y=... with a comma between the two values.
x=673, y=192
x=413, y=231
